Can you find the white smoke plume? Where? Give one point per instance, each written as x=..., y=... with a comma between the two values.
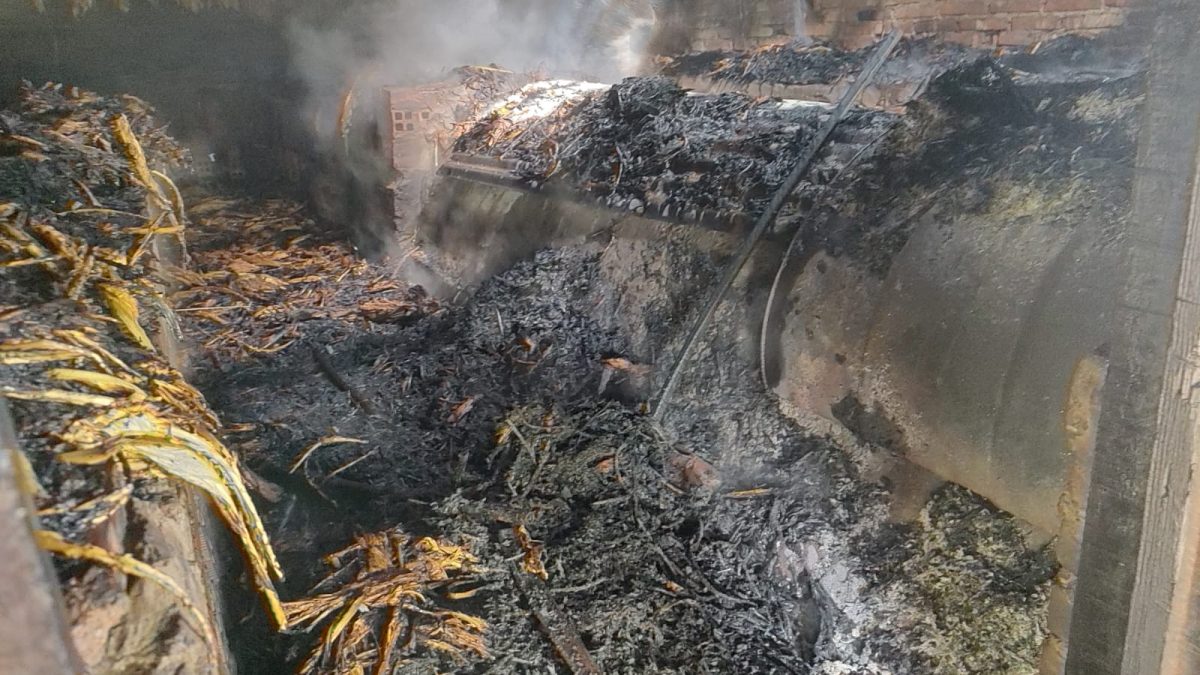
x=401, y=42
x=379, y=43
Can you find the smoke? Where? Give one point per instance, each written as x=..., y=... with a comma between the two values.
x=800, y=11
x=401, y=42
x=377, y=43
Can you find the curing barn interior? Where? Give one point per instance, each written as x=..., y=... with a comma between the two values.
x=599, y=336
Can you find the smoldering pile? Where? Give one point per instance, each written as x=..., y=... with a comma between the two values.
x=93, y=250
x=647, y=145
x=650, y=146
x=504, y=441
x=512, y=426
x=794, y=64
x=74, y=247
x=63, y=166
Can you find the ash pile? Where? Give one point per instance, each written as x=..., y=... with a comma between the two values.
x=732, y=540
x=912, y=60
x=647, y=145
x=976, y=124
x=652, y=147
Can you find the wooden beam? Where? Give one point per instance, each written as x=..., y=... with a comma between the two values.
x=34, y=637
x=1145, y=443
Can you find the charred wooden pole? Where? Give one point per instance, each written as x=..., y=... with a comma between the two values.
x=1135, y=607
x=34, y=636
x=772, y=212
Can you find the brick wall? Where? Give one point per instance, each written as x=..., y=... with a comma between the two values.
x=741, y=24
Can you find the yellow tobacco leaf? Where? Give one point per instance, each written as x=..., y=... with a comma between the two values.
x=59, y=396
x=172, y=193
x=532, y=559
x=82, y=273
x=124, y=308
x=26, y=477
x=101, y=382
x=17, y=352
x=55, y=543
x=339, y=625
x=90, y=456
x=502, y=434
x=109, y=424
x=168, y=386
x=176, y=460
x=54, y=240
x=321, y=443
x=26, y=262
x=132, y=149
x=391, y=631
x=142, y=436
x=92, y=349
x=220, y=460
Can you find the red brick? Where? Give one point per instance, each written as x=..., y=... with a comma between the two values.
x=1014, y=6
x=773, y=41
x=716, y=45
x=1071, y=5
x=962, y=7
x=1019, y=37
x=1002, y=22
x=1089, y=20
x=1034, y=22
x=820, y=30
x=949, y=25
x=858, y=41
x=867, y=28
x=920, y=10
x=966, y=37
x=924, y=26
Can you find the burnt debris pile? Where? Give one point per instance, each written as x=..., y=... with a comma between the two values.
x=648, y=146
x=912, y=60
x=260, y=271
x=511, y=426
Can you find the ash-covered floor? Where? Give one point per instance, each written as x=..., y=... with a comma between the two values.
x=481, y=470
x=745, y=545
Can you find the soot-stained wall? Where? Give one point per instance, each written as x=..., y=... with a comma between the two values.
x=219, y=78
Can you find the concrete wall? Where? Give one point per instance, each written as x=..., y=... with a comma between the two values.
x=744, y=24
